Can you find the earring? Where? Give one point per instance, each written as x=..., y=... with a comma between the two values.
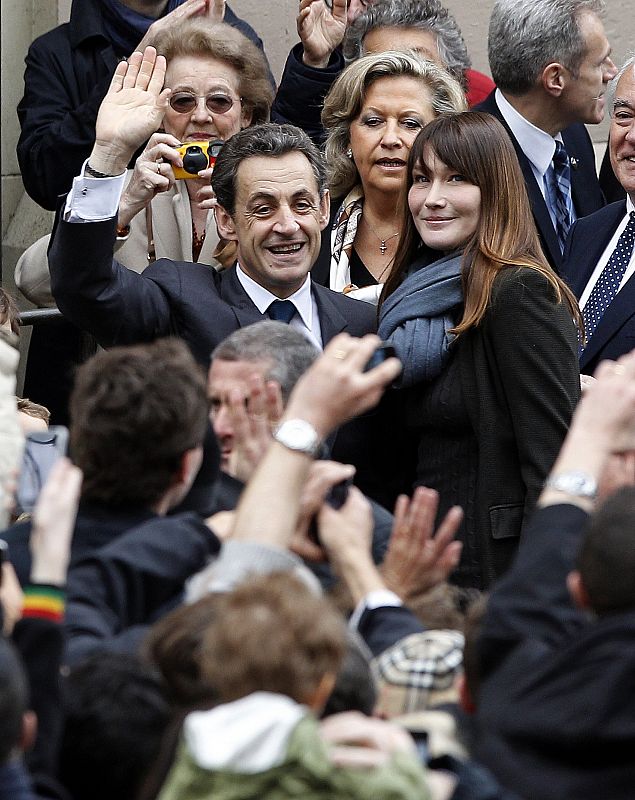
x=349, y=153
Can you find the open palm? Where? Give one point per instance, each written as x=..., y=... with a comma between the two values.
x=135, y=103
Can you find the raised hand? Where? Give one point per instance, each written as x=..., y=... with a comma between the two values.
x=214, y=10
x=321, y=30
x=131, y=111
x=417, y=559
x=252, y=424
x=53, y=524
x=336, y=388
x=152, y=175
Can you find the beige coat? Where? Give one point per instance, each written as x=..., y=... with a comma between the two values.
x=172, y=231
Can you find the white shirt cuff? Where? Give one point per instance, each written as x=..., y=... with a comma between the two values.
x=380, y=598
x=93, y=199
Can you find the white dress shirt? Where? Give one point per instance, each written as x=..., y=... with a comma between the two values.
x=607, y=254
x=306, y=320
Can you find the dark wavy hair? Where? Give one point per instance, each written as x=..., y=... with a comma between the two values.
x=476, y=145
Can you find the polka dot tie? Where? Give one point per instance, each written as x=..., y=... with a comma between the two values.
x=610, y=278
x=281, y=311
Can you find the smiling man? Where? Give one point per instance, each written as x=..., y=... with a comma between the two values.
x=600, y=258
x=272, y=201
x=550, y=60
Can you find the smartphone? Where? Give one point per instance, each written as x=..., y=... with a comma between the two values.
x=383, y=352
x=41, y=450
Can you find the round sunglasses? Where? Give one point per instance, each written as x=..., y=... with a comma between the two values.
x=186, y=102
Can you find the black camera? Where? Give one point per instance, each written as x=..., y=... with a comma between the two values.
x=196, y=156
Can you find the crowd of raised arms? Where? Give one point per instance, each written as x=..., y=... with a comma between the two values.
x=343, y=359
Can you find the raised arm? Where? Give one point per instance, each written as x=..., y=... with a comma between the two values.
x=312, y=67
x=97, y=294
x=532, y=601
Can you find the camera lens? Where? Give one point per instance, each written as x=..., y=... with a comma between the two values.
x=194, y=159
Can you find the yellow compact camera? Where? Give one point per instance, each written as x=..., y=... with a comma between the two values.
x=196, y=156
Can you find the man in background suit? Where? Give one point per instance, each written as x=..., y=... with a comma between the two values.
x=551, y=63
x=599, y=262
x=272, y=201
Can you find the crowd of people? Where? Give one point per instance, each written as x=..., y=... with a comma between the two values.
x=349, y=492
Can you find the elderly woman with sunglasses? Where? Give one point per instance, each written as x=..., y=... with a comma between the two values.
x=219, y=85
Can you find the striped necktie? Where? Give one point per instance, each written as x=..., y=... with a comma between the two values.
x=560, y=193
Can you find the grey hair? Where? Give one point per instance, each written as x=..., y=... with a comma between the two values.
x=344, y=103
x=426, y=15
x=267, y=139
x=287, y=351
x=612, y=86
x=526, y=35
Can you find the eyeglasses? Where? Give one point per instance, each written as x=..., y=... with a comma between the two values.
x=186, y=102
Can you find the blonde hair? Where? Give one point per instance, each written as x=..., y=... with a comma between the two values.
x=344, y=103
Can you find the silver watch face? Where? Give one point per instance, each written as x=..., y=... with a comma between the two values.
x=296, y=434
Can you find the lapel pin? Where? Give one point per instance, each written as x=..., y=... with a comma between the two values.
x=574, y=162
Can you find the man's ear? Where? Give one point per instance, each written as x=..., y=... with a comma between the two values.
x=225, y=224
x=554, y=78
x=578, y=591
x=325, y=209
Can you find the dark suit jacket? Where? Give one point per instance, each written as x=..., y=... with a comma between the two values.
x=615, y=333
x=585, y=188
x=169, y=298
x=556, y=707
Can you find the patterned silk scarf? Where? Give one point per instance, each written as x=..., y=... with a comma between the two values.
x=342, y=238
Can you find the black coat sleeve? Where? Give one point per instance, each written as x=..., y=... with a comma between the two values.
x=127, y=582
x=302, y=91
x=531, y=600
x=99, y=295
x=533, y=339
x=58, y=112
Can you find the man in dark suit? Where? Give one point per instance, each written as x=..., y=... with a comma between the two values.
x=272, y=201
x=598, y=260
x=556, y=709
x=550, y=61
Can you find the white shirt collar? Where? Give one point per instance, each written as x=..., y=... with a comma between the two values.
x=538, y=145
x=262, y=298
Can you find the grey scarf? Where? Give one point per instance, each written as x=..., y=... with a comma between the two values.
x=416, y=318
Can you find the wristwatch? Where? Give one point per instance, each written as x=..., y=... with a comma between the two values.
x=574, y=482
x=299, y=435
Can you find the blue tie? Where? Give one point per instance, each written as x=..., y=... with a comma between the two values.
x=560, y=193
x=610, y=278
x=281, y=311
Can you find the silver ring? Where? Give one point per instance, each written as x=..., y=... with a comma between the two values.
x=158, y=168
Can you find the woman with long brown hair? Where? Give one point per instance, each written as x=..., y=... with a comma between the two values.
x=486, y=331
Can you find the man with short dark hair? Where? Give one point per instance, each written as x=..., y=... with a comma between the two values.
x=599, y=261
x=272, y=201
x=550, y=60
x=139, y=416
